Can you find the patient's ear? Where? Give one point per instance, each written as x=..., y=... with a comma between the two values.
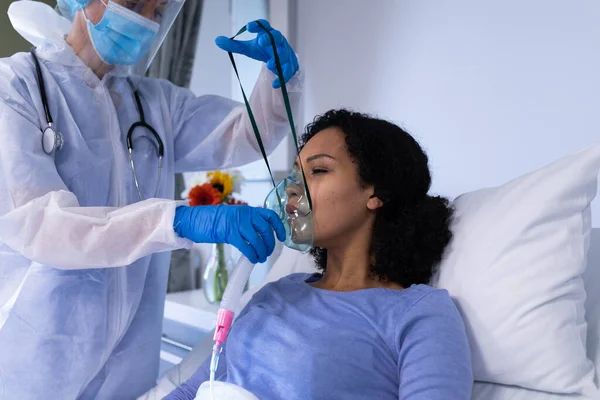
x=374, y=203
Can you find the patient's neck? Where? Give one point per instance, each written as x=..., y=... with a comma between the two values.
x=349, y=268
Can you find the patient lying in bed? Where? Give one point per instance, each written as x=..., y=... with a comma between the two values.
x=368, y=326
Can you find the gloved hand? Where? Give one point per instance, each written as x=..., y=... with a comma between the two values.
x=249, y=229
x=260, y=49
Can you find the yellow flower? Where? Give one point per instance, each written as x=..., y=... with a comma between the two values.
x=223, y=182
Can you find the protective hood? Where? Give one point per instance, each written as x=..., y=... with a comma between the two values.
x=37, y=22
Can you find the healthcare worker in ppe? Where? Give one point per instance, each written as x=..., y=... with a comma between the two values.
x=89, y=148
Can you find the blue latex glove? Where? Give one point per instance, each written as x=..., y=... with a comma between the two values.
x=260, y=49
x=249, y=229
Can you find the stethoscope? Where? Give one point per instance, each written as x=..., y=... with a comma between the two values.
x=52, y=140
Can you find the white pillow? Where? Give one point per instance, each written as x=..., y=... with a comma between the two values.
x=514, y=269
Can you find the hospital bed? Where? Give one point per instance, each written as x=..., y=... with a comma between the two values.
x=286, y=261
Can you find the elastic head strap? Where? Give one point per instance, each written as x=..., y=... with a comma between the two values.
x=286, y=102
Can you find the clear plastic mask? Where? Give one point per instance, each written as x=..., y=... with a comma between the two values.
x=289, y=200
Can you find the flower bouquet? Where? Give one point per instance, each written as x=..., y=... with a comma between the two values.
x=218, y=188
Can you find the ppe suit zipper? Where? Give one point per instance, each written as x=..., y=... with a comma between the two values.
x=111, y=107
x=116, y=299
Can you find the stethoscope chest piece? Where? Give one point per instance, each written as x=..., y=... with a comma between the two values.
x=51, y=140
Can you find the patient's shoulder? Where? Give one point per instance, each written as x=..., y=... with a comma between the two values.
x=432, y=310
x=426, y=293
x=429, y=300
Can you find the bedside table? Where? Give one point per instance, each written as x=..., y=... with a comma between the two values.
x=188, y=318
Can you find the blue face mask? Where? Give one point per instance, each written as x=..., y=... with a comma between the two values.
x=122, y=37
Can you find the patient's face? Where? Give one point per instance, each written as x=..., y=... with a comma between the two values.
x=340, y=203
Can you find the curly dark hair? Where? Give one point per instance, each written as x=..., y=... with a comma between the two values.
x=411, y=229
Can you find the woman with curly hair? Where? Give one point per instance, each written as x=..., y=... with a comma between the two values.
x=367, y=326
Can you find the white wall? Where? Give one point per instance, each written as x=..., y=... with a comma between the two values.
x=211, y=65
x=492, y=89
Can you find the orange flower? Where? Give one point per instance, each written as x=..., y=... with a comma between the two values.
x=221, y=181
x=204, y=195
x=233, y=201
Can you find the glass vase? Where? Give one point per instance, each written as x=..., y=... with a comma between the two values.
x=216, y=273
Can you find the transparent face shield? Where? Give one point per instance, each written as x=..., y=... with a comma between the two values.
x=131, y=32
x=167, y=12
x=290, y=201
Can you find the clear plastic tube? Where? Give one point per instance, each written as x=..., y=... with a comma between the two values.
x=229, y=304
x=237, y=283
x=214, y=362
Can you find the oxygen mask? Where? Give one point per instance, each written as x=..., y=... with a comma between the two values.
x=293, y=206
